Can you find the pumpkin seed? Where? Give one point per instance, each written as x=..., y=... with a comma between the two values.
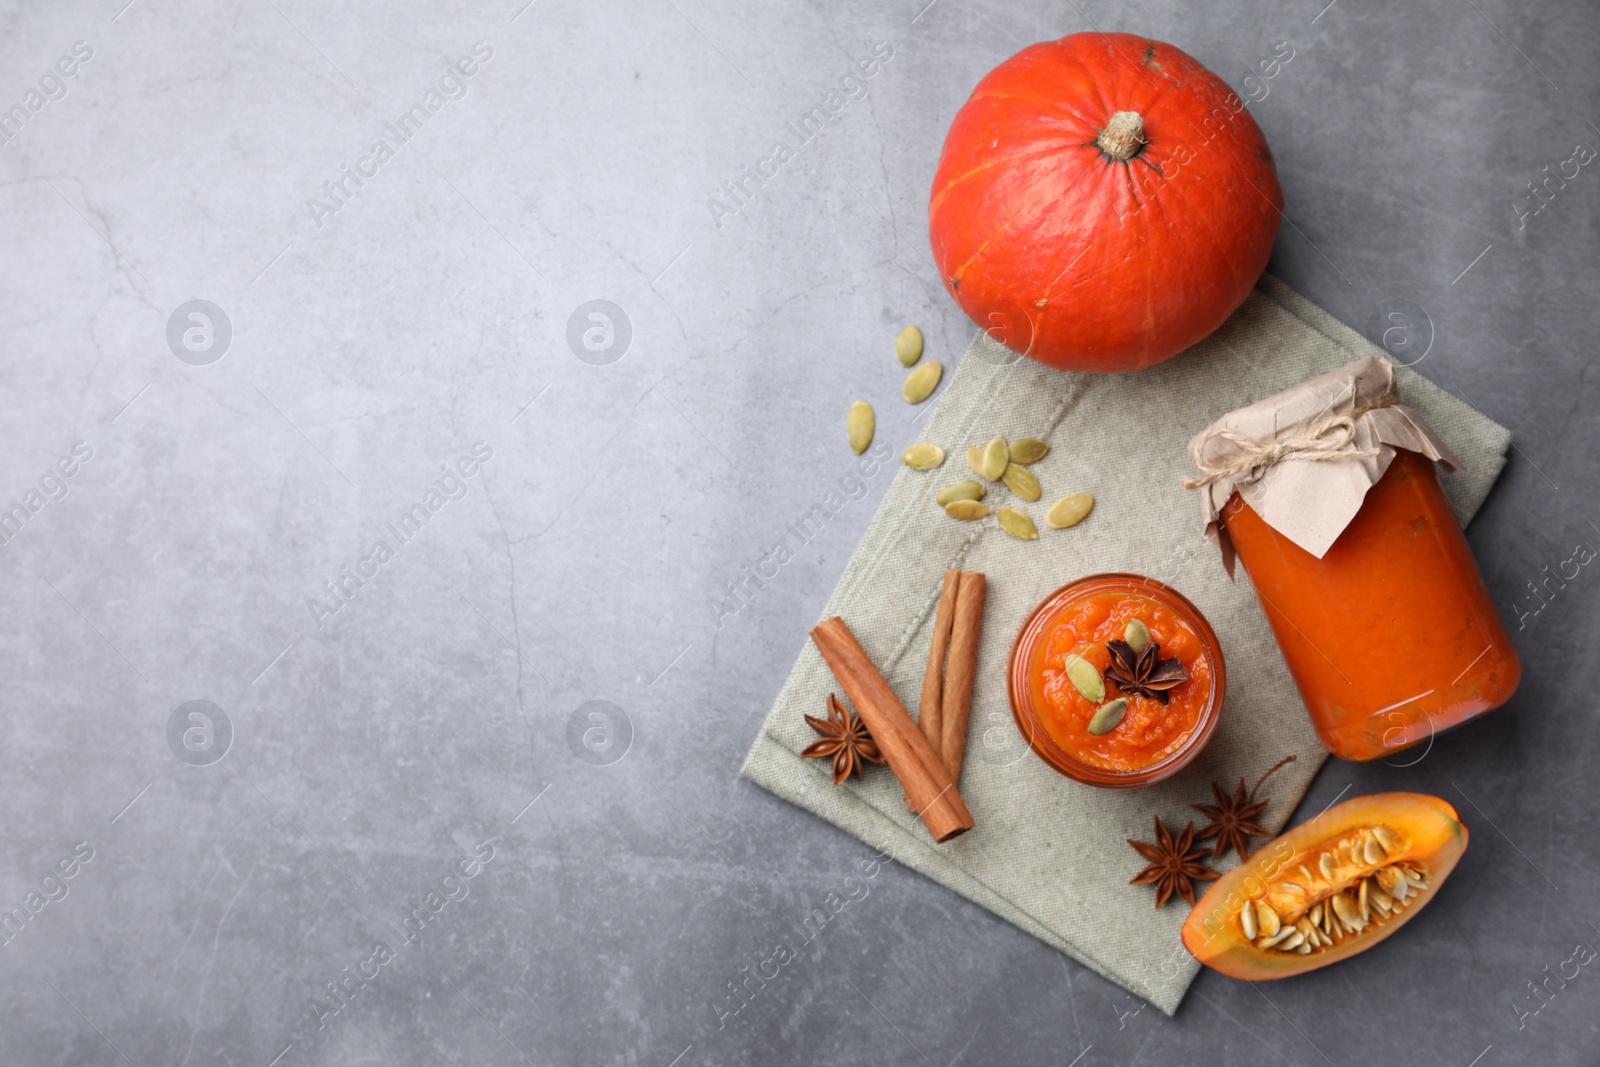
x=1086, y=679
x=1017, y=524
x=995, y=457
x=908, y=346
x=1028, y=450
x=1020, y=480
x=861, y=422
x=920, y=383
x=1277, y=938
x=1326, y=863
x=1109, y=717
x=1294, y=940
x=1373, y=852
x=1247, y=919
x=975, y=459
x=1069, y=510
x=961, y=491
x=966, y=510
x=1387, y=838
x=1266, y=918
x=922, y=456
x=1136, y=635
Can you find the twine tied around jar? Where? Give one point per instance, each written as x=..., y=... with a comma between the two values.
x=1330, y=437
x=1353, y=413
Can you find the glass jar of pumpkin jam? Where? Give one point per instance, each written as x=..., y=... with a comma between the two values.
x=1154, y=740
x=1391, y=636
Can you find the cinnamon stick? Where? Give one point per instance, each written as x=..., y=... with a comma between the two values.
x=929, y=711
x=959, y=670
x=908, y=753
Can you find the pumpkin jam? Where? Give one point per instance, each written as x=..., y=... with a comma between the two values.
x=1392, y=635
x=1150, y=731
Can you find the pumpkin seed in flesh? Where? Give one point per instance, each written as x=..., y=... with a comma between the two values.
x=1085, y=678
x=920, y=383
x=1136, y=635
x=922, y=456
x=995, y=457
x=1017, y=524
x=961, y=491
x=1069, y=510
x=1109, y=717
x=862, y=422
x=966, y=510
x=1342, y=914
x=1020, y=480
x=975, y=460
x=908, y=346
x=1269, y=940
x=1028, y=450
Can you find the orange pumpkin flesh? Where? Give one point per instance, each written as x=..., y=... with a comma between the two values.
x=1424, y=835
x=1102, y=202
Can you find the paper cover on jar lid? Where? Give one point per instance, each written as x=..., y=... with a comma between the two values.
x=1304, y=458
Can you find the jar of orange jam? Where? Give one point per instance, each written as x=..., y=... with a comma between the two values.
x=1160, y=730
x=1391, y=636
x=1327, y=494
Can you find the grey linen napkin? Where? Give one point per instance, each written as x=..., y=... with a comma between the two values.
x=1049, y=854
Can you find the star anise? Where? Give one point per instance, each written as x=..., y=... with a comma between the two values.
x=1144, y=672
x=845, y=739
x=1174, y=864
x=1233, y=819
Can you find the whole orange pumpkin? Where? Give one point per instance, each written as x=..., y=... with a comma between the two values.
x=1103, y=202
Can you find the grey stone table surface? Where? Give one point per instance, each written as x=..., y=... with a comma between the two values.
x=369, y=700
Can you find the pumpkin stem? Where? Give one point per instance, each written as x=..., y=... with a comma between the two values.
x=1123, y=136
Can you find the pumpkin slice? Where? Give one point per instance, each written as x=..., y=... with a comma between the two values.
x=1328, y=889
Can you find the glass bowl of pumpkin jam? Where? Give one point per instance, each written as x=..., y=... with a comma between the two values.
x=1087, y=620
